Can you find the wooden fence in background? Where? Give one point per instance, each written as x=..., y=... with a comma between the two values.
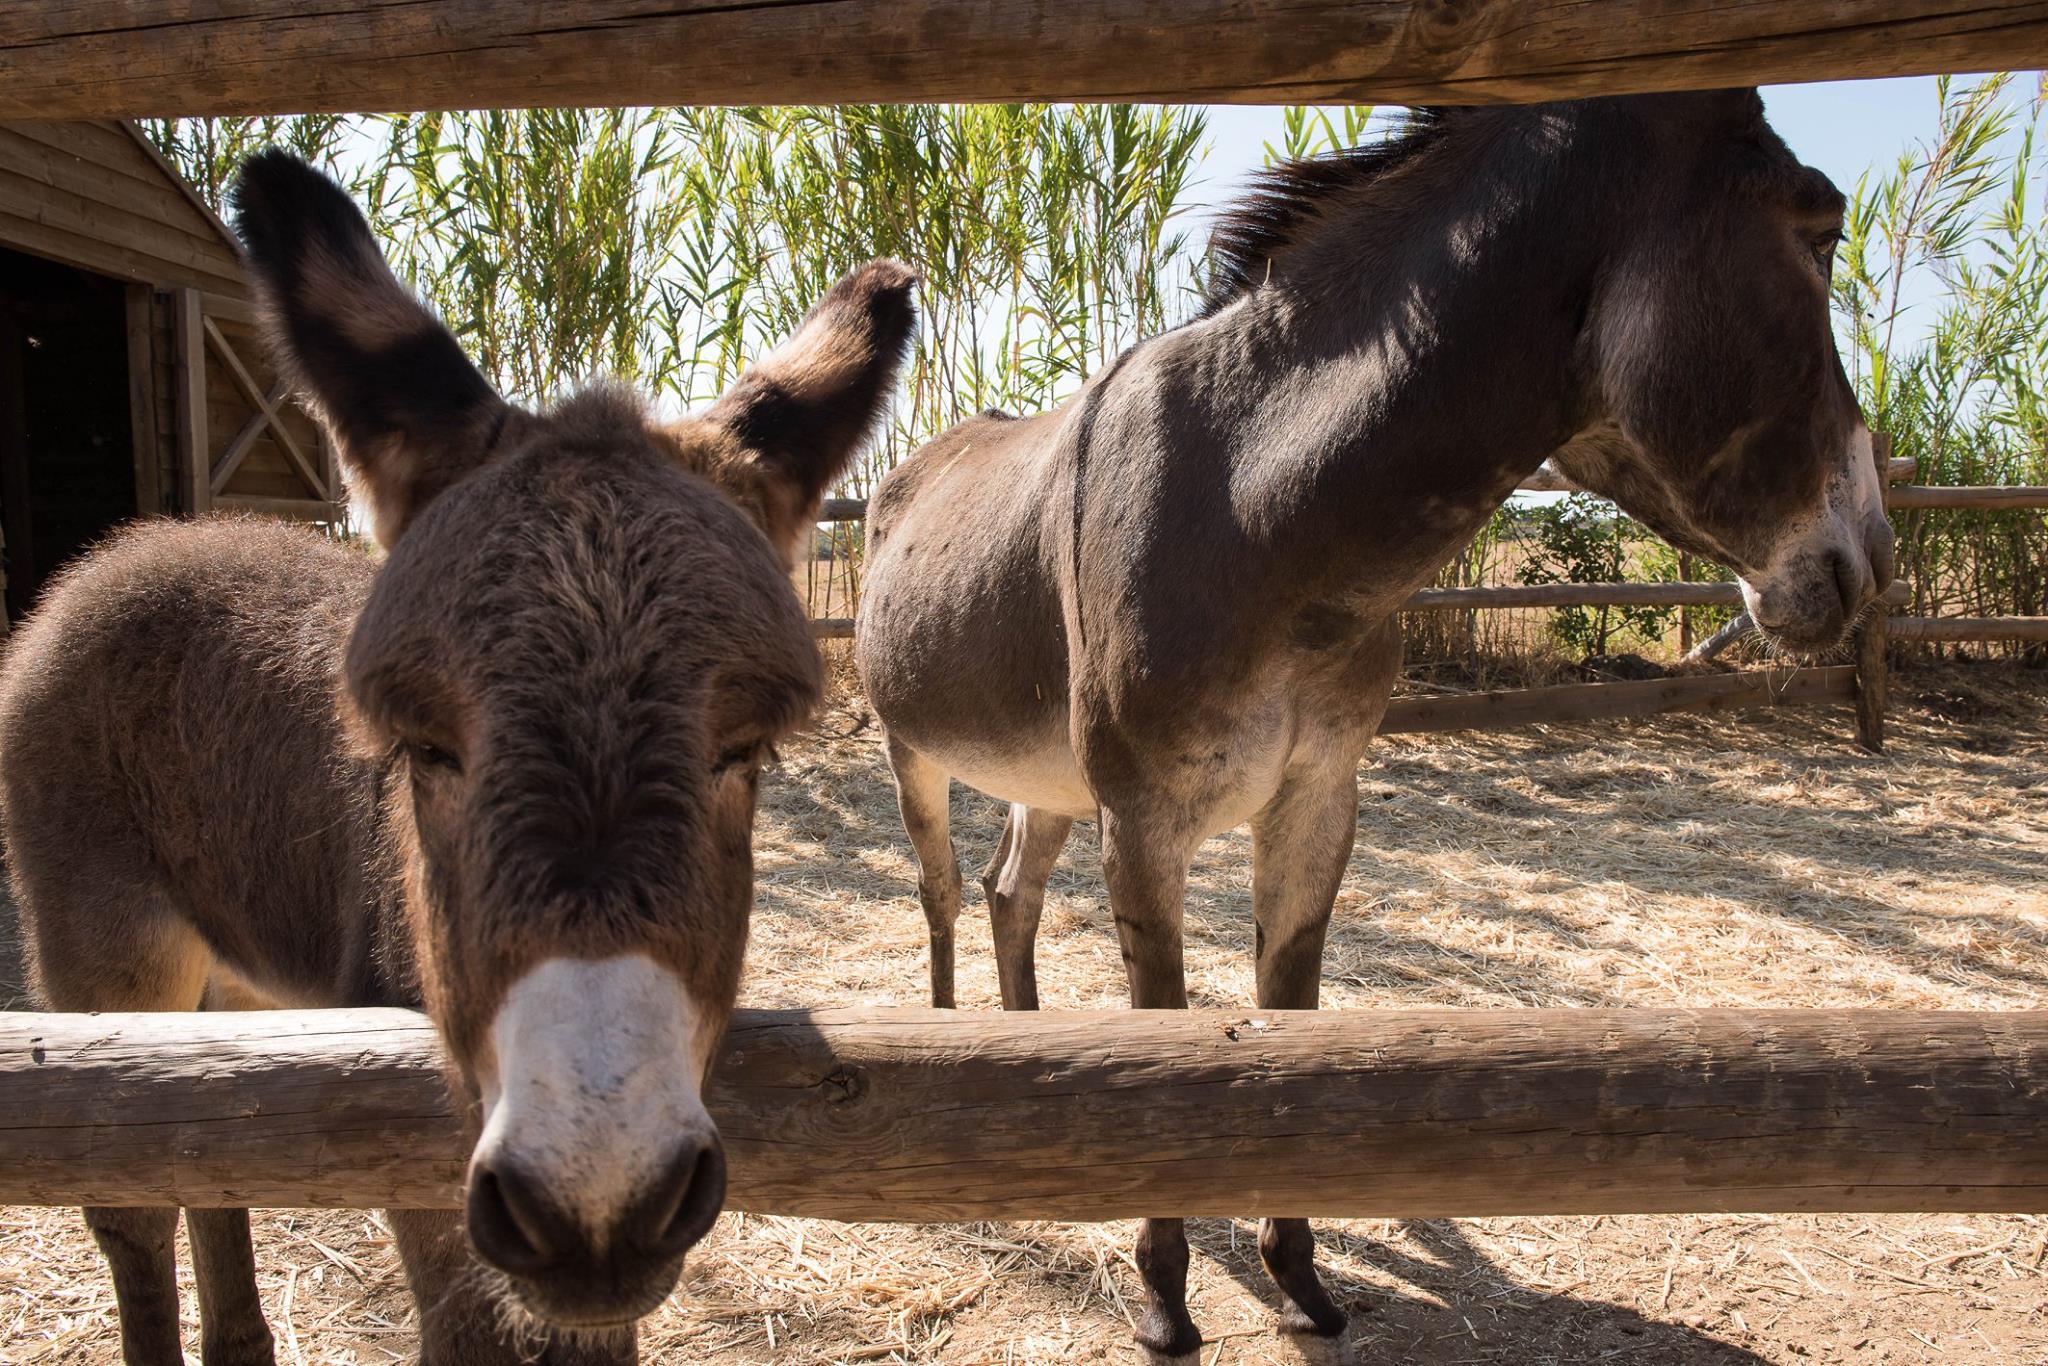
x=1864, y=683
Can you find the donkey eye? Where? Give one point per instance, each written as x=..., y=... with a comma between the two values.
x=755, y=756
x=423, y=755
x=1824, y=248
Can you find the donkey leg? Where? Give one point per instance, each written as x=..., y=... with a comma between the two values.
x=1147, y=877
x=138, y=1246
x=1015, y=883
x=1300, y=844
x=232, y=1329
x=922, y=793
x=118, y=947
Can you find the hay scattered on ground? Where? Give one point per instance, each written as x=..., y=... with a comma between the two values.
x=1676, y=862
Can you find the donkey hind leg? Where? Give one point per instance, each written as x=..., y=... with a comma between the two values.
x=923, y=792
x=461, y=1320
x=1015, y=884
x=1147, y=877
x=126, y=953
x=232, y=1329
x=1300, y=844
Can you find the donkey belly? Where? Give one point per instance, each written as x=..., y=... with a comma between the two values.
x=1045, y=776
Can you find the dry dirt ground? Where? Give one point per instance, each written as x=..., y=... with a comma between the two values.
x=1676, y=862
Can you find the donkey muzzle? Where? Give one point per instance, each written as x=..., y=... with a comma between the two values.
x=598, y=1166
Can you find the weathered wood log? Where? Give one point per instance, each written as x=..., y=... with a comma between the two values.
x=1544, y=480
x=1969, y=628
x=1530, y=595
x=918, y=1116
x=1873, y=659
x=77, y=59
x=1576, y=595
x=1966, y=496
x=1610, y=701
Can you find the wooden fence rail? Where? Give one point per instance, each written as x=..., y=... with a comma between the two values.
x=1961, y=629
x=1610, y=701
x=1544, y=480
x=925, y=1116
x=1524, y=595
x=126, y=58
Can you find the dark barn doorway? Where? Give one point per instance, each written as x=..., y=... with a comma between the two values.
x=67, y=457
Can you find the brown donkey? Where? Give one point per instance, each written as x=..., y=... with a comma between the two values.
x=508, y=773
x=1169, y=604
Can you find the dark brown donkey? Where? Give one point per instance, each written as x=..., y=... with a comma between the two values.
x=1169, y=603
x=508, y=772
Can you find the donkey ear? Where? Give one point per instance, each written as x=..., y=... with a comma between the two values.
x=408, y=411
x=803, y=411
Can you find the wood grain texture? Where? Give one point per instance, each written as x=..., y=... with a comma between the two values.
x=1968, y=628
x=1873, y=662
x=924, y=1116
x=1966, y=496
x=96, y=196
x=1544, y=480
x=62, y=59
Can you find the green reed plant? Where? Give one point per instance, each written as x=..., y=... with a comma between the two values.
x=1961, y=381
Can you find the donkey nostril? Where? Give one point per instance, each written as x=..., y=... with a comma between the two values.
x=682, y=1204
x=507, y=1223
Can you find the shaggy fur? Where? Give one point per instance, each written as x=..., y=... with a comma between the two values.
x=241, y=764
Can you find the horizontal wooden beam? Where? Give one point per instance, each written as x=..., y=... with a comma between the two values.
x=1967, y=628
x=1608, y=701
x=1520, y=595
x=1966, y=496
x=291, y=509
x=925, y=1116
x=103, y=58
x=1544, y=480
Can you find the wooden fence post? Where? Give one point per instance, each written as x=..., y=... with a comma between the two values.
x=189, y=325
x=1872, y=668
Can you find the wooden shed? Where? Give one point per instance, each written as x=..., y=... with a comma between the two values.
x=132, y=381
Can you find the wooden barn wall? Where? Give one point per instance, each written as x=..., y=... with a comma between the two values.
x=89, y=195
x=265, y=472
x=92, y=196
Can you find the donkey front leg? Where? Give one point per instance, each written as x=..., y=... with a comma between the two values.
x=104, y=938
x=232, y=1330
x=1147, y=873
x=1300, y=844
x=139, y=1245
x=923, y=792
x=1015, y=884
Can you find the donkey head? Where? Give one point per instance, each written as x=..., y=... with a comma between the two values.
x=1721, y=414
x=576, y=657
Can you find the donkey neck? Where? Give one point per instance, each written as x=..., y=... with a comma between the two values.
x=1416, y=346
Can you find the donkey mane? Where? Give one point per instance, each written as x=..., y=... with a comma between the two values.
x=1284, y=198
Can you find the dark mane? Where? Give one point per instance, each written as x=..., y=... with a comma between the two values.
x=1253, y=230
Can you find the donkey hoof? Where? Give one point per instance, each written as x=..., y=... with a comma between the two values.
x=1319, y=1349
x=240, y=1347
x=1168, y=1339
